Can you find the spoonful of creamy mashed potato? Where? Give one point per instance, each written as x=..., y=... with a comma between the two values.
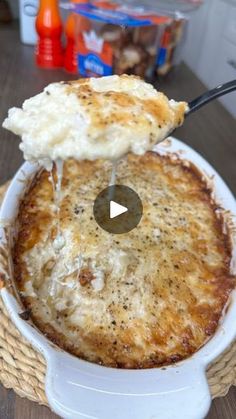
x=94, y=118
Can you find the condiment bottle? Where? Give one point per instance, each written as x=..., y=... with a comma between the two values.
x=74, y=25
x=49, y=51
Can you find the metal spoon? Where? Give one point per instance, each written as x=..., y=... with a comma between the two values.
x=202, y=100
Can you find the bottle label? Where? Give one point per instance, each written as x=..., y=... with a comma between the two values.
x=94, y=55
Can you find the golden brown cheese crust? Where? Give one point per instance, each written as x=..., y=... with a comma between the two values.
x=94, y=118
x=125, y=108
x=164, y=299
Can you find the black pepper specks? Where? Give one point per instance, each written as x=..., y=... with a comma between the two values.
x=25, y=315
x=78, y=210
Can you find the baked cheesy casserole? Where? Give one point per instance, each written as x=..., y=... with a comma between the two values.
x=147, y=298
x=94, y=118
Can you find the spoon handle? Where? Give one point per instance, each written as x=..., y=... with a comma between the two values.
x=223, y=89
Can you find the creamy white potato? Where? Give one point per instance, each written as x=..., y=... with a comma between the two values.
x=94, y=118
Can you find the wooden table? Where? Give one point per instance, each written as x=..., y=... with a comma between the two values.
x=211, y=131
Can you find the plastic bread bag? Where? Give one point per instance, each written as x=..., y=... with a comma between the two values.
x=171, y=44
x=166, y=6
x=120, y=39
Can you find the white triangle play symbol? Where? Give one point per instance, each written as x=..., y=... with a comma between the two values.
x=116, y=209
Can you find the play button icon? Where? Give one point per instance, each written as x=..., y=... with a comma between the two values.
x=118, y=209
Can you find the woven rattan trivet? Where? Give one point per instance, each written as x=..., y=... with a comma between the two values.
x=22, y=368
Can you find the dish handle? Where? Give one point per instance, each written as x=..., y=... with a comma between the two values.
x=77, y=389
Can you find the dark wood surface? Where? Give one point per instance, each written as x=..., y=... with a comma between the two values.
x=211, y=131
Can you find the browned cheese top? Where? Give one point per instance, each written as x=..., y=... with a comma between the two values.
x=143, y=299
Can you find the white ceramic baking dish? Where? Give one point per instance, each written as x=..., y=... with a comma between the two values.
x=79, y=389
